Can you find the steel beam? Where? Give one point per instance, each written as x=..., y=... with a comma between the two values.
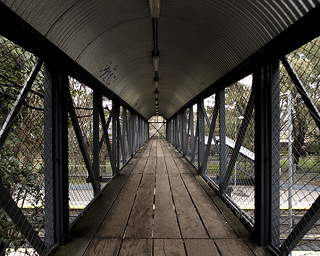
x=303, y=92
x=180, y=120
x=212, y=126
x=105, y=126
x=201, y=134
x=56, y=156
x=223, y=145
x=238, y=143
x=124, y=133
x=115, y=135
x=20, y=220
x=158, y=129
x=267, y=138
x=185, y=136
x=97, y=98
x=131, y=134
x=82, y=146
x=301, y=229
x=5, y=130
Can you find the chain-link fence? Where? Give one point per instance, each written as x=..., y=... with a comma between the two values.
x=240, y=187
x=294, y=181
x=21, y=146
x=80, y=190
x=299, y=144
x=58, y=149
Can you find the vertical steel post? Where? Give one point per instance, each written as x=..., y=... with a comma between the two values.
x=115, y=135
x=275, y=154
x=174, y=132
x=222, y=137
x=168, y=133
x=184, y=133
x=171, y=130
x=267, y=154
x=124, y=133
x=191, y=128
x=56, y=153
x=97, y=97
x=139, y=131
x=203, y=169
x=290, y=162
x=201, y=134
x=179, y=132
x=49, y=156
x=135, y=135
x=131, y=134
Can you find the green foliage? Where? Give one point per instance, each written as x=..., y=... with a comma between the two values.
x=306, y=64
x=25, y=186
x=21, y=173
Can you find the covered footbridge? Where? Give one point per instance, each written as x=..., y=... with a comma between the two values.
x=159, y=127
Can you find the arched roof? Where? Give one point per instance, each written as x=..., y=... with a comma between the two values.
x=199, y=41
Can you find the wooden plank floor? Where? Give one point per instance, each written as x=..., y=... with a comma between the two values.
x=158, y=205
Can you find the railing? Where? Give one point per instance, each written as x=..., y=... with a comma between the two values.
x=61, y=142
x=258, y=144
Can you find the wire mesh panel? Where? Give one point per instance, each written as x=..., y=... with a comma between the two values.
x=242, y=178
x=80, y=190
x=36, y=197
x=21, y=146
x=240, y=186
x=299, y=144
x=104, y=157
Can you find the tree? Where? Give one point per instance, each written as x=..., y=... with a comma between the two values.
x=21, y=173
x=306, y=64
x=236, y=101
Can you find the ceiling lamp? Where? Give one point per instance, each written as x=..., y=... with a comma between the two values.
x=154, y=6
x=156, y=83
x=156, y=60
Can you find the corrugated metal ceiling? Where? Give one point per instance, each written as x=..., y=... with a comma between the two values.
x=199, y=41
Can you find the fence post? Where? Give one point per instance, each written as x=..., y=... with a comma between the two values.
x=192, y=137
x=56, y=88
x=97, y=98
x=222, y=138
x=124, y=133
x=116, y=135
x=184, y=133
x=267, y=154
x=201, y=134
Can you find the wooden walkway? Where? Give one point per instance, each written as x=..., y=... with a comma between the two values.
x=158, y=205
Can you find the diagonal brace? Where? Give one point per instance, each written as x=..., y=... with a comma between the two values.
x=240, y=137
x=303, y=92
x=158, y=130
x=77, y=130
x=203, y=167
x=20, y=220
x=209, y=124
x=18, y=103
x=105, y=126
x=308, y=220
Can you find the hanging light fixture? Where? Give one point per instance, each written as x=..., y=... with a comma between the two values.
x=154, y=6
x=156, y=83
x=155, y=60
